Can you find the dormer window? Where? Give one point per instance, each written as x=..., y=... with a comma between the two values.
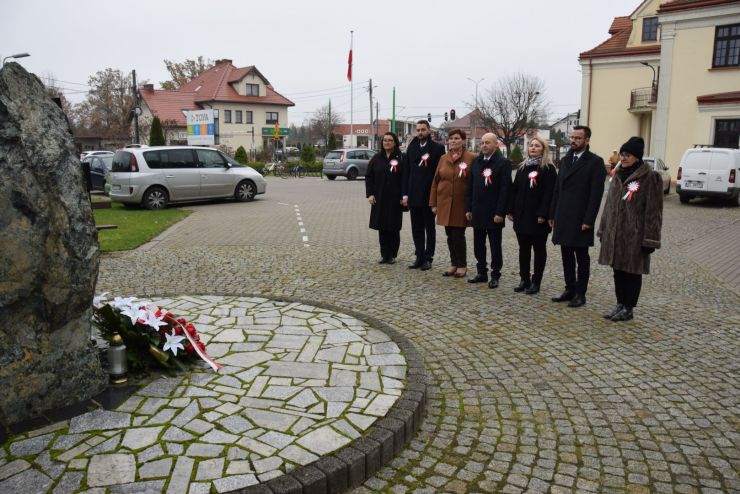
x=253, y=90
x=650, y=29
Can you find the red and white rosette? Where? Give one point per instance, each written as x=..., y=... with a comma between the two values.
x=394, y=166
x=632, y=187
x=214, y=365
x=424, y=160
x=533, y=178
x=463, y=167
x=487, y=176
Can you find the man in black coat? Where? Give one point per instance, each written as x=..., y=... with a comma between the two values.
x=575, y=205
x=422, y=156
x=486, y=203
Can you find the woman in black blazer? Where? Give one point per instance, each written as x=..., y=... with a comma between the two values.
x=529, y=205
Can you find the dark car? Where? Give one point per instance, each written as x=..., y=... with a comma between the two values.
x=99, y=165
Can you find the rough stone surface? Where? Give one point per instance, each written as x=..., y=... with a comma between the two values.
x=48, y=256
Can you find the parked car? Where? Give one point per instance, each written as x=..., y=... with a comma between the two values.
x=350, y=163
x=100, y=165
x=92, y=153
x=659, y=166
x=155, y=176
x=709, y=172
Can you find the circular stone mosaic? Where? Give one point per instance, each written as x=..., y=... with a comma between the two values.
x=298, y=382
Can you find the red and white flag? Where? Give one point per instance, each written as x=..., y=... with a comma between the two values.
x=349, y=63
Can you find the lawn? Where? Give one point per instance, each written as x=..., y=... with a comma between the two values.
x=135, y=226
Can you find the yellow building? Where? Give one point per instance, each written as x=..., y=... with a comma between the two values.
x=670, y=73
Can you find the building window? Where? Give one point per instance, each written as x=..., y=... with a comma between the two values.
x=727, y=46
x=272, y=117
x=227, y=116
x=727, y=133
x=238, y=115
x=248, y=117
x=253, y=90
x=650, y=29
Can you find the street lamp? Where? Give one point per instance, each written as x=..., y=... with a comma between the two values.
x=17, y=55
x=653, y=88
x=476, y=105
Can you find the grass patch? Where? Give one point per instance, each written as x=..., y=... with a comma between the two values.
x=135, y=226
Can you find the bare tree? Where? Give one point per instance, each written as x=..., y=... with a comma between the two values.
x=107, y=107
x=184, y=72
x=323, y=121
x=512, y=106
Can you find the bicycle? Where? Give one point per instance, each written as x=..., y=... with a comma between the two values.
x=277, y=169
x=298, y=171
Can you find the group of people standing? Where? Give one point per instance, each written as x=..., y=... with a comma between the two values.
x=457, y=189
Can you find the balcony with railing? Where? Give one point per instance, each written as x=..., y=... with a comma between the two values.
x=643, y=99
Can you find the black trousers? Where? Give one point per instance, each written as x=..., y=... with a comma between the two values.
x=627, y=287
x=479, y=249
x=572, y=256
x=527, y=244
x=457, y=245
x=423, y=232
x=389, y=240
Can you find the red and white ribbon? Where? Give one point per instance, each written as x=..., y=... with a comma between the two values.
x=394, y=166
x=214, y=365
x=611, y=174
x=632, y=187
x=463, y=170
x=487, y=176
x=533, y=178
x=424, y=160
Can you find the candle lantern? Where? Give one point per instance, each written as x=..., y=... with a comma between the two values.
x=117, y=367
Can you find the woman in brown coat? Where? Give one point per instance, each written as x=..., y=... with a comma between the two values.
x=447, y=199
x=630, y=225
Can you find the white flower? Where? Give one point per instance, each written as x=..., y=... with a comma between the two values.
x=134, y=313
x=122, y=303
x=98, y=300
x=173, y=343
x=152, y=320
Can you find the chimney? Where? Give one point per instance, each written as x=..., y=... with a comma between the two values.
x=147, y=87
x=225, y=60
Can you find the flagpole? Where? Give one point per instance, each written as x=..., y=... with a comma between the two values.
x=351, y=93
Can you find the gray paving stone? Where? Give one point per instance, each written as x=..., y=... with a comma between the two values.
x=196, y=450
x=150, y=453
x=66, y=441
x=161, y=388
x=180, y=477
x=28, y=481
x=140, y=437
x=176, y=434
x=323, y=440
x=69, y=483
x=297, y=370
x=155, y=469
x=13, y=468
x=234, y=482
x=99, y=420
x=30, y=446
x=297, y=455
x=210, y=469
x=110, y=469
x=148, y=487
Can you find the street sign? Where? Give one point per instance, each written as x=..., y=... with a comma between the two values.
x=201, y=128
x=270, y=131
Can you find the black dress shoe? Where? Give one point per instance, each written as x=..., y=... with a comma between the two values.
x=390, y=260
x=623, y=315
x=614, y=311
x=417, y=264
x=493, y=283
x=383, y=261
x=577, y=300
x=426, y=266
x=479, y=278
x=532, y=289
x=523, y=285
x=447, y=273
x=564, y=297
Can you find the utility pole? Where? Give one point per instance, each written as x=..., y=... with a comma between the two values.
x=370, y=88
x=393, y=120
x=326, y=144
x=136, y=109
x=377, y=117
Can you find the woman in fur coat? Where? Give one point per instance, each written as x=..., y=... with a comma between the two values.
x=630, y=226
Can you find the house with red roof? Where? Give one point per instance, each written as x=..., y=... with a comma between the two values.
x=246, y=106
x=670, y=73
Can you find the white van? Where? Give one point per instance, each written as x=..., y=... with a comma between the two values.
x=709, y=172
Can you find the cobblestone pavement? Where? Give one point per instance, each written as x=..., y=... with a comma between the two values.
x=524, y=395
x=297, y=382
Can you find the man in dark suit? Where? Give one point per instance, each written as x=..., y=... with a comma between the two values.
x=422, y=156
x=575, y=205
x=486, y=203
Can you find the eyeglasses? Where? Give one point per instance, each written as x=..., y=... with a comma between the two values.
x=575, y=138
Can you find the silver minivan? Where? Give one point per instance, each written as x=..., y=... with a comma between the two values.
x=156, y=176
x=350, y=163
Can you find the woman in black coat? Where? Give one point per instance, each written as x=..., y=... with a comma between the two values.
x=386, y=173
x=529, y=205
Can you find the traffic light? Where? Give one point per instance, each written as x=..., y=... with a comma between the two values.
x=452, y=114
x=276, y=133
x=445, y=116
x=429, y=117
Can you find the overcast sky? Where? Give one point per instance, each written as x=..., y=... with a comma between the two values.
x=427, y=50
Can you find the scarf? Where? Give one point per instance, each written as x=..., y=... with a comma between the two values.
x=533, y=161
x=624, y=173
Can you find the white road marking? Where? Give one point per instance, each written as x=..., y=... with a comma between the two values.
x=301, y=227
